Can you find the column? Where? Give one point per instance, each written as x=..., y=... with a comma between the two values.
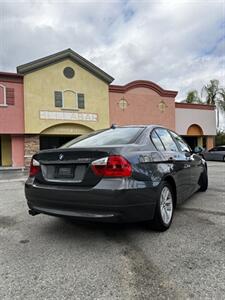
x=17, y=150
x=209, y=142
x=31, y=146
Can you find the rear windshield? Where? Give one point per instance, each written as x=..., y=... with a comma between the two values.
x=114, y=136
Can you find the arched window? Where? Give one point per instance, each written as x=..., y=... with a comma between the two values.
x=2, y=95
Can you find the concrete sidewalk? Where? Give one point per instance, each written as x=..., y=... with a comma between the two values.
x=13, y=174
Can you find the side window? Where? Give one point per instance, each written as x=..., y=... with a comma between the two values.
x=10, y=96
x=58, y=99
x=166, y=139
x=213, y=149
x=80, y=100
x=183, y=146
x=156, y=141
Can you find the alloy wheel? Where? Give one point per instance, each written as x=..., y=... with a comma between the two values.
x=166, y=205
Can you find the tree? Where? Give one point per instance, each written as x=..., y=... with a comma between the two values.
x=211, y=90
x=222, y=98
x=192, y=97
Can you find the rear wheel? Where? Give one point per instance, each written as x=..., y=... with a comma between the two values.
x=164, y=208
x=203, y=181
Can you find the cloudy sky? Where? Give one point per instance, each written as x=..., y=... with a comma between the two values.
x=179, y=44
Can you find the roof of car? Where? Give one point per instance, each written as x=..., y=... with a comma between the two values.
x=138, y=125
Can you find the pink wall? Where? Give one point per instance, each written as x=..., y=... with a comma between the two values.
x=12, y=116
x=17, y=142
x=143, y=106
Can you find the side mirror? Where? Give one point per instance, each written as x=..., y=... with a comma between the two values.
x=188, y=154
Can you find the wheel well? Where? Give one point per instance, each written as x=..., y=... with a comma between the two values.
x=172, y=183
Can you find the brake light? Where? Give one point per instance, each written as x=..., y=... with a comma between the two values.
x=112, y=166
x=34, y=167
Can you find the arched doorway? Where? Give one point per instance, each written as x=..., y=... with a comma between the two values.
x=195, y=130
x=195, y=136
x=57, y=135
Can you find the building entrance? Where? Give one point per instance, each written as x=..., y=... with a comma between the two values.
x=5, y=151
x=54, y=141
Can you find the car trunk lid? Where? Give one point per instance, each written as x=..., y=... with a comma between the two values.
x=69, y=166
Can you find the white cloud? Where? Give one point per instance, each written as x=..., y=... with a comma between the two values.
x=178, y=44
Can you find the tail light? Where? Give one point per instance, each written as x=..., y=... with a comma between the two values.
x=112, y=166
x=34, y=167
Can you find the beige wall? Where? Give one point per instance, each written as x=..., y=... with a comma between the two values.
x=206, y=119
x=39, y=87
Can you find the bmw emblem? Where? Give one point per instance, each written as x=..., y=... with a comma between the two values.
x=61, y=156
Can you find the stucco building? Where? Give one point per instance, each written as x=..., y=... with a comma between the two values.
x=144, y=102
x=11, y=120
x=56, y=98
x=64, y=96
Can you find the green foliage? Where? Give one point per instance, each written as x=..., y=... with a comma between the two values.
x=211, y=90
x=220, y=138
x=192, y=97
x=221, y=101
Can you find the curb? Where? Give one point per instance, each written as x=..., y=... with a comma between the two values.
x=13, y=180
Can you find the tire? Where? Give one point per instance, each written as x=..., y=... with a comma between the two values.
x=203, y=181
x=164, y=213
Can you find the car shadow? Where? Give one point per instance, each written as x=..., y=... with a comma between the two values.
x=65, y=228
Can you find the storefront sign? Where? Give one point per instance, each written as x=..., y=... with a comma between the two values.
x=68, y=115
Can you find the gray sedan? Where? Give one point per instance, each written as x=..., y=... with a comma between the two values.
x=216, y=153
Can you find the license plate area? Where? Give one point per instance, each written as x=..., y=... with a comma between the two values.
x=64, y=172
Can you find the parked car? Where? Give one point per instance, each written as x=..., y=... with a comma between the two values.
x=216, y=153
x=121, y=174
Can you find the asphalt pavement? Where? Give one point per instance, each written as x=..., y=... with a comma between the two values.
x=45, y=257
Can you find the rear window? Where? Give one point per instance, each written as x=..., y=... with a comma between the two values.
x=112, y=136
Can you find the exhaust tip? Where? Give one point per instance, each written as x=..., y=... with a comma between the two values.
x=32, y=212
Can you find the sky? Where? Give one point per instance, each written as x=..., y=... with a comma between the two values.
x=179, y=44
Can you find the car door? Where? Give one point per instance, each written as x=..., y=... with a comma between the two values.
x=181, y=166
x=193, y=161
x=210, y=154
x=218, y=153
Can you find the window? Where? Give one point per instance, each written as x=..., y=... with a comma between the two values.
x=2, y=95
x=80, y=101
x=115, y=136
x=58, y=99
x=7, y=96
x=221, y=148
x=10, y=97
x=183, y=146
x=166, y=139
x=68, y=72
x=156, y=141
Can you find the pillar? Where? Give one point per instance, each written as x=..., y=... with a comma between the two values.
x=17, y=150
x=200, y=141
x=31, y=146
x=209, y=142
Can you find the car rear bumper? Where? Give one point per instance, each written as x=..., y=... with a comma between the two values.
x=128, y=204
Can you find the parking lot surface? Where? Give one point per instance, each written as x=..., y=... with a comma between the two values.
x=44, y=257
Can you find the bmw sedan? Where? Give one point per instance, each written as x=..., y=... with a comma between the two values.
x=121, y=174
